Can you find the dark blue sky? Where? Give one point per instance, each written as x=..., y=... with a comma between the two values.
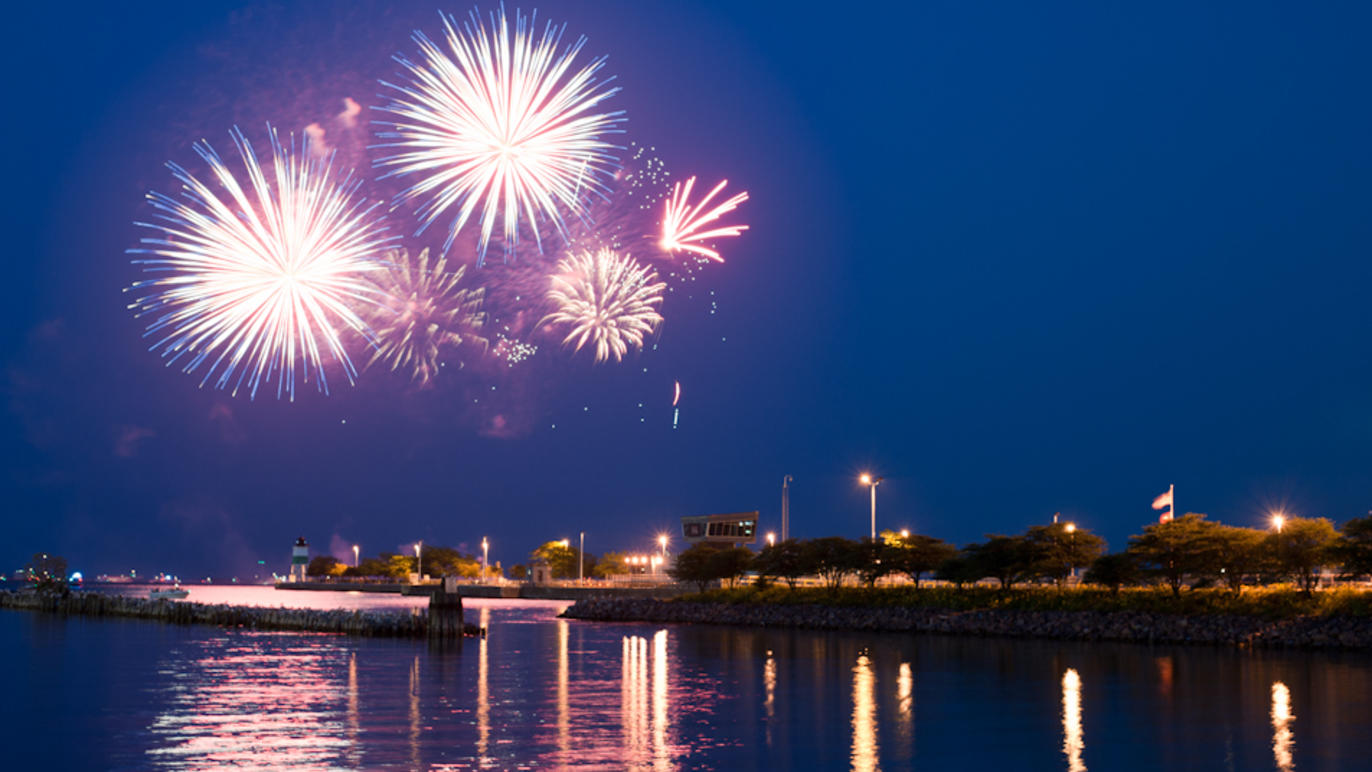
x=1016, y=260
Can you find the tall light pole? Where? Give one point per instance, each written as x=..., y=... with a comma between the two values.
x=419, y=560
x=355, y=548
x=872, y=482
x=1278, y=520
x=662, y=542
x=1071, y=529
x=581, y=561
x=786, y=507
x=485, y=559
x=771, y=539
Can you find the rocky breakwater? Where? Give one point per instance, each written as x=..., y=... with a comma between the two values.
x=392, y=624
x=1300, y=632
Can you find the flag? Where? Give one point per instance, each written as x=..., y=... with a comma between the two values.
x=1164, y=501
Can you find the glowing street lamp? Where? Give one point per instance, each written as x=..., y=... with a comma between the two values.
x=355, y=553
x=1278, y=520
x=872, y=482
x=905, y=533
x=485, y=559
x=1071, y=529
x=771, y=539
x=419, y=559
x=566, y=544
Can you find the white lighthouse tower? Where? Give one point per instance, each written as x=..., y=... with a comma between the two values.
x=300, y=558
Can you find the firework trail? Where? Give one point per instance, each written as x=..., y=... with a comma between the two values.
x=420, y=310
x=682, y=223
x=608, y=299
x=499, y=125
x=253, y=282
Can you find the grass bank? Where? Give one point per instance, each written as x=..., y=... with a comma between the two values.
x=1271, y=602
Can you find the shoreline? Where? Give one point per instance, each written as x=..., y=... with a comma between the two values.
x=1302, y=632
x=376, y=624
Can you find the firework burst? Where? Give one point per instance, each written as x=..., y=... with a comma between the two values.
x=608, y=299
x=258, y=281
x=421, y=310
x=682, y=224
x=499, y=123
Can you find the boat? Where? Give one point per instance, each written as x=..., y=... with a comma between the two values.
x=171, y=593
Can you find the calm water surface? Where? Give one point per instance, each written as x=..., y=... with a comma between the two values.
x=544, y=693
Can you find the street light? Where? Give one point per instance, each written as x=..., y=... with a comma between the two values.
x=485, y=559
x=905, y=533
x=354, y=556
x=581, y=561
x=419, y=560
x=1278, y=520
x=1071, y=529
x=872, y=482
x=771, y=539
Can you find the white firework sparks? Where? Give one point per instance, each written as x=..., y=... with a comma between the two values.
x=499, y=123
x=609, y=300
x=420, y=311
x=252, y=284
x=682, y=223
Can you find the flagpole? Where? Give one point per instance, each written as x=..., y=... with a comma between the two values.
x=1172, y=504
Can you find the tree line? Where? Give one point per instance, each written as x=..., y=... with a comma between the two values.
x=1189, y=551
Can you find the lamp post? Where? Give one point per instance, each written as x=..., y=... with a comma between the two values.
x=771, y=539
x=485, y=559
x=1071, y=529
x=355, y=552
x=786, y=507
x=662, y=542
x=581, y=561
x=872, y=482
x=1278, y=520
x=419, y=560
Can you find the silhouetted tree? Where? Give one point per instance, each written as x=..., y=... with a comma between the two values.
x=916, y=554
x=324, y=565
x=1113, y=571
x=1353, y=551
x=832, y=558
x=1238, y=553
x=730, y=563
x=959, y=570
x=1302, y=547
x=1007, y=559
x=1177, y=549
x=693, y=564
x=1057, y=549
x=784, y=559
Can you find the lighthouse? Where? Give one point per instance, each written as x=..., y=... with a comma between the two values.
x=300, y=558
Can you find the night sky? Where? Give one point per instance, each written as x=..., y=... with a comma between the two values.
x=1018, y=259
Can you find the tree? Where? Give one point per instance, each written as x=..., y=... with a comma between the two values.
x=960, y=570
x=1177, y=549
x=1302, y=547
x=694, y=564
x=916, y=555
x=446, y=561
x=877, y=559
x=611, y=564
x=1113, y=571
x=730, y=563
x=398, y=566
x=784, y=559
x=1006, y=558
x=324, y=565
x=1238, y=553
x=519, y=571
x=1353, y=552
x=1059, y=548
x=564, y=560
x=833, y=558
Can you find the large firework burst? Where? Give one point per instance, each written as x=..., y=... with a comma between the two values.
x=420, y=311
x=609, y=300
x=501, y=123
x=258, y=282
x=682, y=223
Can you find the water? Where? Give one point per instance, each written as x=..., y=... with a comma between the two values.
x=543, y=693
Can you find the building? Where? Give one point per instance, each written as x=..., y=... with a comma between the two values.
x=300, y=559
x=730, y=528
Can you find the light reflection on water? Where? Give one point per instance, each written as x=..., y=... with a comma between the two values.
x=1072, y=742
x=541, y=692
